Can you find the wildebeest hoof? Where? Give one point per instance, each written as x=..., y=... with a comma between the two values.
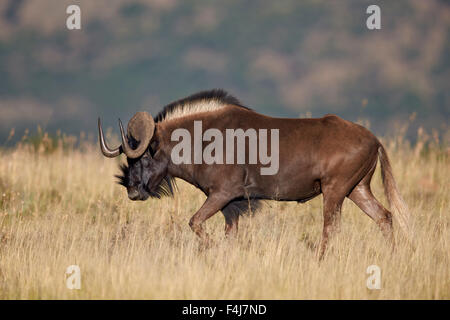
x=204, y=245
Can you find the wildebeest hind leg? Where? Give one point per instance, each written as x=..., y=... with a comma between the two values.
x=362, y=196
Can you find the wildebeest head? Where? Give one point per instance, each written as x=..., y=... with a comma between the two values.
x=145, y=174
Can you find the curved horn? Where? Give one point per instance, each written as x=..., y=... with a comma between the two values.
x=141, y=128
x=107, y=152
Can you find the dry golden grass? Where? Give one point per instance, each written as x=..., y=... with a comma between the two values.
x=63, y=208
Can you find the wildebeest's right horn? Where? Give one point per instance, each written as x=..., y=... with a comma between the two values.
x=107, y=152
x=141, y=128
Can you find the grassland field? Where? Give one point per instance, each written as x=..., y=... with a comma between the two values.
x=60, y=206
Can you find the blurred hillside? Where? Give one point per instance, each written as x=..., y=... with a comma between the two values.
x=283, y=58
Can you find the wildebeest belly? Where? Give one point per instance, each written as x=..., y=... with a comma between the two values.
x=289, y=187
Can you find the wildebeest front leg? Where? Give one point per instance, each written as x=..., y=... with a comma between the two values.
x=211, y=206
x=231, y=224
x=233, y=210
x=231, y=213
x=331, y=219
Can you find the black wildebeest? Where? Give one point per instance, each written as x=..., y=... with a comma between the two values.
x=327, y=155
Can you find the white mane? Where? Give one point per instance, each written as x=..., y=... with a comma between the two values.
x=182, y=110
x=205, y=101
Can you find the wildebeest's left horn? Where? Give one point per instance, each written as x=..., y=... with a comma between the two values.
x=141, y=128
x=107, y=152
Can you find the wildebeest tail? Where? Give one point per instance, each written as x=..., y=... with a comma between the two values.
x=396, y=202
